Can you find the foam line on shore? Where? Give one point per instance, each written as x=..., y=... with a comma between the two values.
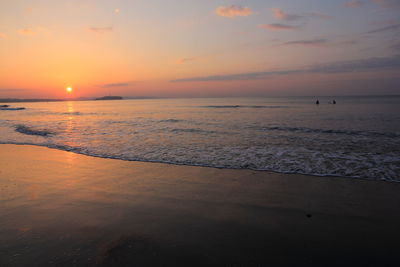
x=81, y=152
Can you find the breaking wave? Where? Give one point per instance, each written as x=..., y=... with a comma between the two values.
x=30, y=131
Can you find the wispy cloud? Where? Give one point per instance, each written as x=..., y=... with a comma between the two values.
x=27, y=31
x=117, y=11
x=186, y=60
x=29, y=10
x=33, y=31
x=393, y=27
x=278, y=27
x=395, y=46
x=349, y=42
x=318, y=42
x=312, y=42
x=354, y=3
x=387, y=3
x=369, y=64
x=385, y=22
x=280, y=14
x=101, y=30
x=233, y=11
x=3, y=36
x=317, y=15
x=111, y=85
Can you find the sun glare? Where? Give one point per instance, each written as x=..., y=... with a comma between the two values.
x=69, y=89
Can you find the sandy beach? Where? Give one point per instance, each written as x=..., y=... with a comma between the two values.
x=64, y=209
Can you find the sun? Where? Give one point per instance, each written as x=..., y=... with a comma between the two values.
x=69, y=89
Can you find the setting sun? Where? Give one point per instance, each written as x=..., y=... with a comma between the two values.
x=69, y=89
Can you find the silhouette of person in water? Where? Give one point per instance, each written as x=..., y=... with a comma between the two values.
x=317, y=102
x=334, y=101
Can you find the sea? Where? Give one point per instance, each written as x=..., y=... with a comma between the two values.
x=358, y=137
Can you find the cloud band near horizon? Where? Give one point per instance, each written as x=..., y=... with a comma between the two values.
x=370, y=64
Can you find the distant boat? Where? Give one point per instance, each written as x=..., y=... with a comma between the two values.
x=5, y=108
x=110, y=97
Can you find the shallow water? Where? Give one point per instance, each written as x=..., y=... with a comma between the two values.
x=358, y=137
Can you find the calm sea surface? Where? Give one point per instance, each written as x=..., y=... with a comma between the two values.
x=357, y=137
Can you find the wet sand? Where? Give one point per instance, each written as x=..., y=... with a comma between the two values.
x=63, y=209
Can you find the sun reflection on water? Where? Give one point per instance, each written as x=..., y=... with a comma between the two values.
x=69, y=129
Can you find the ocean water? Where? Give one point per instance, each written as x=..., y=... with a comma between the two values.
x=357, y=137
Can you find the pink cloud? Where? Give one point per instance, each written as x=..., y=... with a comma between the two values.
x=233, y=11
x=278, y=27
x=354, y=3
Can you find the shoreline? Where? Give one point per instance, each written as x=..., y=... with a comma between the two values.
x=55, y=147
x=61, y=208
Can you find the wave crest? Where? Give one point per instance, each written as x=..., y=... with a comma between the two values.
x=30, y=131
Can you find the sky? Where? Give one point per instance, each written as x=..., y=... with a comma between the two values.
x=199, y=48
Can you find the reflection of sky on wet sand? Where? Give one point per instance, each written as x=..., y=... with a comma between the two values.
x=64, y=207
